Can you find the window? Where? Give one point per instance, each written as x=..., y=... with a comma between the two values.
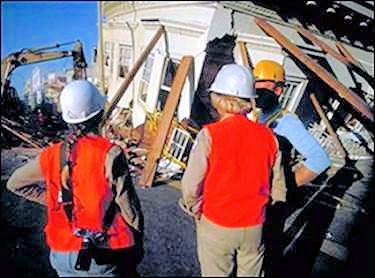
x=125, y=60
x=179, y=146
x=162, y=99
x=108, y=55
x=289, y=89
x=146, y=77
x=170, y=72
x=293, y=92
x=94, y=55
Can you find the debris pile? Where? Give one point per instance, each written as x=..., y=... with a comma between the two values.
x=136, y=142
x=35, y=129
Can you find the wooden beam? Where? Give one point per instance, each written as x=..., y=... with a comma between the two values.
x=165, y=122
x=130, y=76
x=10, y=122
x=326, y=122
x=348, y=56
x=356, y=65
x=245, y=55
x=359, y=104
x=343, y=55
x=21, y=136
x=325, y=47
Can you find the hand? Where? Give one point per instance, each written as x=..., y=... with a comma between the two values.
x=183, y=206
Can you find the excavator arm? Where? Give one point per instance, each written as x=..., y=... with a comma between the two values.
x=29, y=56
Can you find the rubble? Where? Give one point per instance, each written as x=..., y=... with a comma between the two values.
x=31, y=129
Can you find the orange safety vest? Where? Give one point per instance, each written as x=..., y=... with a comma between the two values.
x=91, y=192
x=236, y=187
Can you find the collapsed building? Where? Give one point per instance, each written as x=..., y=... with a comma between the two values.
x=329, y=69
x=160, y=58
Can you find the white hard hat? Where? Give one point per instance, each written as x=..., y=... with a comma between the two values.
x=234, y=80
x=80, y=100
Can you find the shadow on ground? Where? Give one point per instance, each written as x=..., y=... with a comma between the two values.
x=332, y=236
x=170, y=241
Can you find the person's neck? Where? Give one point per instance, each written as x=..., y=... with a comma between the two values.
x=271, y=109
x=265, y=114
x=225, y=116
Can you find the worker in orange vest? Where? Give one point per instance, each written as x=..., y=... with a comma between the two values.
x=94, y=218
x=227, y=183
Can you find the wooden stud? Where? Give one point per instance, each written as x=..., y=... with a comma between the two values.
x=21, y=136
x=326, y=122
x=358, y=103
x=130, y=76
x=245, y=55
x=348, y=56
x=165, y=122
x=325, y=47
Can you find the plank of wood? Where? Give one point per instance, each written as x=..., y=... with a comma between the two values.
x=358, y=103
x=165, y=122
x=325, y=47
x=24, y=138
x=130, y=76
x=245, y=55
x=326, y=122
x=347, y=54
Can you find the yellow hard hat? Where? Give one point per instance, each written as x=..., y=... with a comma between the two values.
x=269, y=70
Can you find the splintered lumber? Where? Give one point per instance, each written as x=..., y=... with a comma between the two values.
x=21, y=136
x=347, y=54
x=245, y=55
x=130, y=76
x=326, y=122
x=325, y=47
x=359, y=104
x=344, y=56
x=165, y=122
x=10, y=122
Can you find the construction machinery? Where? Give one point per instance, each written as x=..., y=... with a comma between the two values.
x=13, y=108
x=27, y=56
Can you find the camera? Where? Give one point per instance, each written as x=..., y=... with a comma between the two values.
x=84, y=256
x=90, y=240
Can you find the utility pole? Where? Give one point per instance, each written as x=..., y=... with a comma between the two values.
x=100, y=51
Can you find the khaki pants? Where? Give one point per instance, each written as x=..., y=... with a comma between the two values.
x=221, y=248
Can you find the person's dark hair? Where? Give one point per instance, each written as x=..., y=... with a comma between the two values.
x=75, y=131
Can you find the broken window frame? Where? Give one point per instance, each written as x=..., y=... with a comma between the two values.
x=146, y=78
x=94, y=55
x=124, y=61
x=293, y=92
x=108, y=55
x=178, y=147
x=165, y=88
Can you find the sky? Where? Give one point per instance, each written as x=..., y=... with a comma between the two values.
x=34, y=24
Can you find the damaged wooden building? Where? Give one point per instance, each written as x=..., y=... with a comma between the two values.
x=156, y=60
